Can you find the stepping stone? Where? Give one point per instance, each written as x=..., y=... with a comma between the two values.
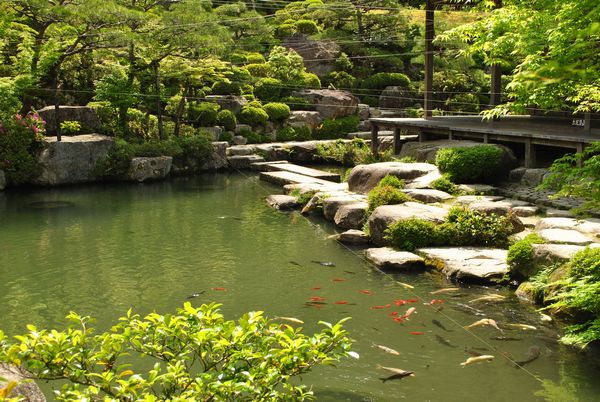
x=559, y=213
x=265, y=166
x=282, y=178
x=389, y=259
x=332, y=204
x=290, y=167
x=469, y=199
x=351, y=216
x=428, y=195
x=564, y=236
x=243, y=161
x=557, y=223
x=469, y=263
x=484, y=189
x=525, y=211
x=353, y=236
x=282, y=202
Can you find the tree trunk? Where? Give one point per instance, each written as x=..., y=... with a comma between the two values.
x=155, y=66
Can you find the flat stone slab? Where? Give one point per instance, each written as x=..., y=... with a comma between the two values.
x=481, y=189
x=469, y=199
x=265, y=166
x=351, y=216
x=547, y=254
x=363, y=178
x=564, y=236
x=427, y=195
x=305, y=171
x=332, y=204
x=238, y=150
x=499, y=208
x=243, y=161
x=585, y=226
x=469, y=263
x=283, y=178
x=307, y=187
x=353, y=236
x=526, y=211
x=562, y=213
x=282, y=202
x=387, y=258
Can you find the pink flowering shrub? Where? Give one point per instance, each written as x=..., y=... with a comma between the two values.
x=21, y=139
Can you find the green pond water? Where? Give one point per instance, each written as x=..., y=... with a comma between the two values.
x=99, y=250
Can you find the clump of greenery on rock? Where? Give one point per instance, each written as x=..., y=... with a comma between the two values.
x=445, y=184
x=351, y=153
x=194, y=354
x=336, y=128
x=387, y=192
x=482, y=163
x=520, y=256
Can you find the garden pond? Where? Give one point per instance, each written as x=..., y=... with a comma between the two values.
x=101, y=249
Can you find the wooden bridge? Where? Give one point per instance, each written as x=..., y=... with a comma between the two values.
x=530, y=131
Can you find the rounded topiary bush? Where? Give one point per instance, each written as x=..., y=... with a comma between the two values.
x=255, y=58
x=203, y=114
x=253, y=116
x=307, y=27
x=259, y=69
x=268, y=89
x=382, y=80
x=285, y=30
x=482, y=163
x=226, y=119
x=309, y=80
x=336, y=128
x=410, y=234
x=226, y=88
x=277, y=111
x=520, y=256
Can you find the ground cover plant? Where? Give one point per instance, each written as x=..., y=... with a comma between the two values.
x=194, y=354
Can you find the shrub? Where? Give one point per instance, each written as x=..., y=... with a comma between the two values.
x=520, y=256
x=445, y=184
x=482, y=163
x=340, y=79
x=255, y=58
x=382, y=80
x=294, y=134
x=351, y=153
x=117, y=160
x=307, y=27
x=386, y=192
x=226, y=136
x=253, y=116
x=226, y=88
x=203, y=114
x=70, y=127
x=285, y=30
x=259, y=70
x=108, y=117
x=474, y=228
x=410, y=234
x=21, y=138
x=336, y=128
x=297, y=103
x=237, y=58
x=268, y=89
x=226, y=119
x=155, y=148
x=195, y=151
x=585, y=263
x=194, y=354
x=254, y=138
x=277, y=111
x=141, y=126
x=393, y=181
x=309, y=80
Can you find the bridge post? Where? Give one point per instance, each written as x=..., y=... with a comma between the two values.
x=529, y=154
x=374, y=139
x=396, y=140
x=429, y=34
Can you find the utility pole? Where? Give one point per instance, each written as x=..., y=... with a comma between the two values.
x=429, y=34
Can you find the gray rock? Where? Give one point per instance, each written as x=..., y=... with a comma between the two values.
x=564, y=236
x=85, y=115
x=426, y=151
x=238, y=150
x=319, y=55
x=363, y=111
x=557, y=223
x=396, y=97
x=363, y=178
x=469, y=199
x=305, y=118
x=229, y=102
x=217, y=159
x=365, y=125
x=590, y=226
x=351, y=216
x=499, y=208
x=2, y=180
x=282, y=202
x=26, y=388
x=428, y=195
x=331, y=103
x=549, y=254
x=477, y=189
x=389, y=259
x=559, y=213
x=242, y=127
x=215, y=132
x=145, y=168
x=243, y=162
x=385, y=215
x=517, y=203
x=353, y=236
x=526, y=211
x=467, y=263
x=332, y=204
x=526, y=292
x=239, y=140
x=71, y=160
x=515, y=175
x=533, y=177
x=425, y=181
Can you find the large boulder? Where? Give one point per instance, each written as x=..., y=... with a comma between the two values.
x=331, y=205
x=26, y=389
x=229, y=102
x=149, y=168
x=282, y=202
x=427, y=195
x=85, y=115
x=467, y=263
x=385, y=215
x=427, y=150
x=2, y=180
x=353, y=236
x=363, y=178
x=389, y=259
x=396, y=97
x=305, y=118
x=351, y=216
x=71, y=160
x=319, y=56
x=564, y=236
x=217, y=160
x=549, y=254
x=331, y=103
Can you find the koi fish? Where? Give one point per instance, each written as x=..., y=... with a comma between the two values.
x=366, y=292
x=416, y=333
x=445, y=342
x=488, y=298
x=409, y=312
x=317, y=298
x=338, y=280
x=484, y=321
x=221, y=289
x=386, y=349
x=412, y=300
x=324, y=263
x=295, y=263
x=400, y=302
x=440, y=325
x=436, y=301
x=445, y=290
x=472, y=352
x=397, y=373
x=399, y=319
x=524, y=327
x=290, y=319
x=477, y=359
x=350, y=272
x=394, y=314
x=405, y=285
x=505, y=338
x=545, y=318
x=380, y=307
x=316, y=288
x=195, y=295
x=341, y=302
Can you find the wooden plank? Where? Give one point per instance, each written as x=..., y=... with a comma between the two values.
x=283, y=178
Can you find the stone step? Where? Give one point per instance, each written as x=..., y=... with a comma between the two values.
x=266, y=166
x=243, y=161
x=278, y=166
x=282, y=178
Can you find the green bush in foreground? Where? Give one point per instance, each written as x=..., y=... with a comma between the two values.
x=386, y=192
x=411, y=234
x=520, y=255
x=194, y=355
x=252, y=115
x=445, y=184
x=482, y=163
x=226, y=119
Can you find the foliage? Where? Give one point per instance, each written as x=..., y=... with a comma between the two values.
x=226, y=136
x=21, y=139
x=203, y=114
x=341, y=80
x=277, y=111
x=226, y=87
x=351, y=153
x=226, y=119
x=117, y=161
x=386, y=192
x=287, y=65
x=253, y=137
x=382, y=80
x=410, y=234
x=194, y=354
x=307, y=27
x=297, y=103
x=69, y=127
x=259, y=69
x=195, y=151
x=336, y=128
x=302, y=198
x=520, y=254
x=445, y=184
x=268, y=89
x=481, y=163
x=252, y=115
x=577, y=175
x=290, y=133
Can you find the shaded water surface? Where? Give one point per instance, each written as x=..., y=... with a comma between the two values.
x=99, y=250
